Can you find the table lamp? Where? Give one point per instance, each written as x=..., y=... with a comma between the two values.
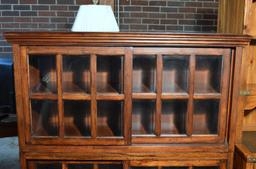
x=95, y=18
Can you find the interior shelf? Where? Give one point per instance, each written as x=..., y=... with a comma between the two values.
x=42, y=74
x=166, y=96
x=144, y=74
x=144, y=95
x=70, y=87
x=44, y=118
x=173, y=118
x=109, y=118
x=205, y=117
x=143, y=117
x=208, y=74
x=175, y=74
x=76, y=74
x=109, y=77
x=77, y=118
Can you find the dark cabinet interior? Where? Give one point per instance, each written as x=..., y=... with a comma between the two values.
x=109, y=74
x=42, y=73
x=76, y=74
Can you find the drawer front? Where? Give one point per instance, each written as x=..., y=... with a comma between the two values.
x=209, y=164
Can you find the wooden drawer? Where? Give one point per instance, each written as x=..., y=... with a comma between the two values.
x=197, y=164
x=245, y=153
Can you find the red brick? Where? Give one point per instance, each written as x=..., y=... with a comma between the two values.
x=168, y=21
x=150, y=21
x=82, y=2
x=23, y=19
x=139, y=2
x=28, y=1
x=9, y=1
x=46, y=1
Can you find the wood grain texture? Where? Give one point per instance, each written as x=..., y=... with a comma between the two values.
x=210, y=148
x=122, y=39
x=231, y=9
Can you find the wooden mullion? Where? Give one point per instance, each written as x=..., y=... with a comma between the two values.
x=223, y=165
x=126, y=165
x=128, y=95
x=95, y=166
x=93, y=67
x=159, y=69
x=192, y=67
x=60, y=92
x=64, y=165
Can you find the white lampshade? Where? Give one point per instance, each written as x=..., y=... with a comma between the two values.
x=95, y=18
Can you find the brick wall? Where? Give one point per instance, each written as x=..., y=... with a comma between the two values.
x=169, y=15
x=135, y=15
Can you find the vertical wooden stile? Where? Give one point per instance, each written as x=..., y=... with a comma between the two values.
x=26, y=93
x=192, y=67
x=159, y=69
x=224, y=94
x=128, y=95
x=64, y=165
x=93, y=67
x=60, y=93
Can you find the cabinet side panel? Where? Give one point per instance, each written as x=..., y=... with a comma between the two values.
x=229, y=10
x=250, y=18
x=249, y=123
x=235, y=103
x=18, y=93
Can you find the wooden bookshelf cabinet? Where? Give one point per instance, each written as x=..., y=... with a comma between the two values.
x=126, y=100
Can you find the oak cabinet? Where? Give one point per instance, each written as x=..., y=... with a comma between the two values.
x=126, y=100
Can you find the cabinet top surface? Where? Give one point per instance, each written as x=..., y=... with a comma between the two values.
x=125, y=39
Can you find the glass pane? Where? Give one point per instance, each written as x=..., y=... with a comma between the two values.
x=45, y=165
x=205, y=117
x=77, y=118
x=144, y=74
x=212, y=167
x=76, y=74
x=143, y=117
x=44, y=117
x=110, y=166
x=109, y=74
x=173, y=118
x=110, y=118
x=80, y=166
x=42, y=73
x=208, y=74
x=175, y=74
